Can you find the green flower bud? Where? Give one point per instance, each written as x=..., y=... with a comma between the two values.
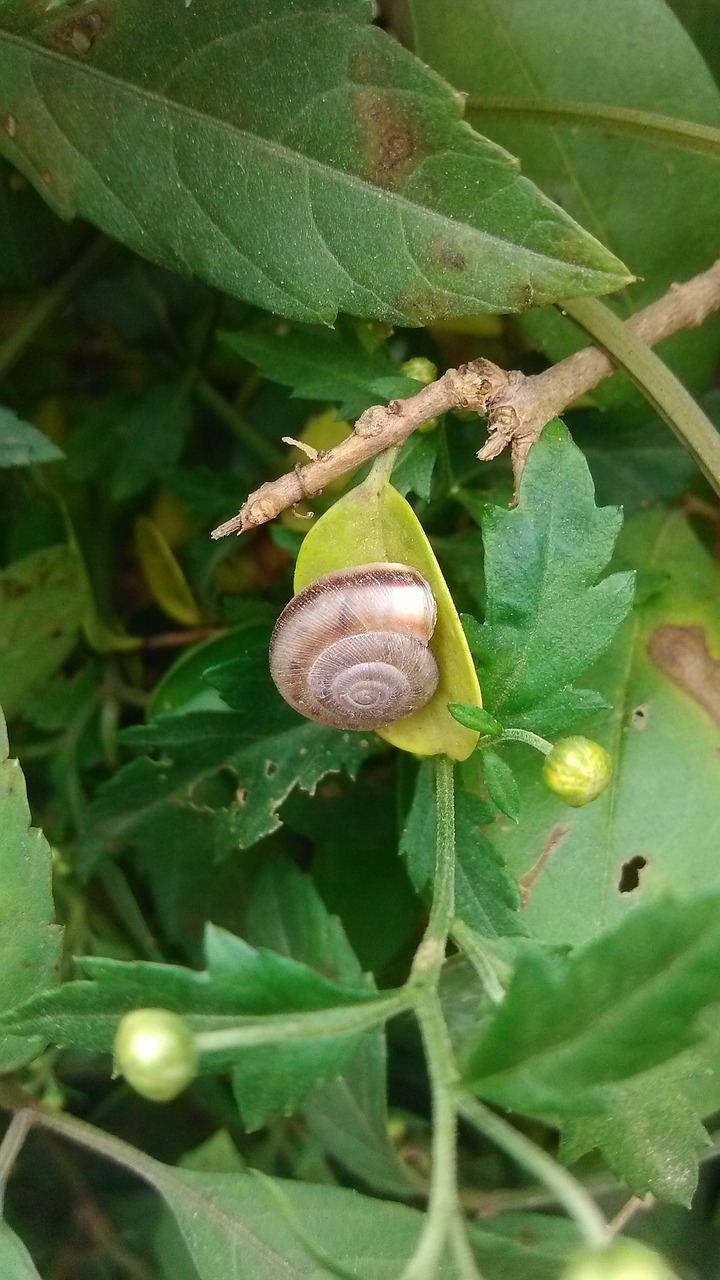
x=627, y=1260
x=578, y=770
x=421, y=369
x=155, y=1051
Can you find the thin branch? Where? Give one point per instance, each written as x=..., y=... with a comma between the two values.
x=517, y=406
x=688, y=135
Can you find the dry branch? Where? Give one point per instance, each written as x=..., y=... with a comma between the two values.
x=517, y=406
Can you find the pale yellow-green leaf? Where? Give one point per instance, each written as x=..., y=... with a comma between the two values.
x=164, y=576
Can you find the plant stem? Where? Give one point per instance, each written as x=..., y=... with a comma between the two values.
x=317, y=1024
x=569, y=1192
x=658, y=383
x=50, y=303
x=647, y=125
x=471, y=945
x=530, y=739
x=430, y=954
x=11, y=1147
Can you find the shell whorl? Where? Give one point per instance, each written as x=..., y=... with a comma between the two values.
x=351, y=649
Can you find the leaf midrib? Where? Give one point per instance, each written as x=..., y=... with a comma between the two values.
x=281, y=151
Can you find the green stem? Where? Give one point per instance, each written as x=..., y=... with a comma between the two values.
x=530, y=739
x=485, y=965
x=658, y=384
x=10, y=1148
x=263, y=450
x=318, y=1024
x=570, y=1193
x=431, y=952
x=50, y=303
x=128, y=912
x=647, y=125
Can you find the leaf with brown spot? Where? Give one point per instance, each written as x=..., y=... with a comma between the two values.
x=660, y=675
x=286, y=151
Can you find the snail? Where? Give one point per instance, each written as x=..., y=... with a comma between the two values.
x=351, y=649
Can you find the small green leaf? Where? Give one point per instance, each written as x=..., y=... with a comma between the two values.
x=547, y=618
x=620, y=1005
x=152, y=434
x=476, y=718
x=357, y=163
x=502, y=787
x=21, y=444
x=44, y=599
x=374, y=524
x=164, y=576
x=321, y=364
x=413, y=471
x=30, y=943
x=485, y=896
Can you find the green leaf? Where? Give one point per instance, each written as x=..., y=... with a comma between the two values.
x=244, y=761
x=152, y=435
x=547, y=618
x=644, y=465
x=321, y=364
x=622, y=1004
x=656, y=827
x=363, y=190
x=30, y=952
x=34, y=242
x=413, y=471
x=373, y=524
x=485, y=896
x=475, y=718
x=42, y=603
x=501, y=784
x=349, y=1112
x=15, y=1260
x=22, y=444
x=528, y=52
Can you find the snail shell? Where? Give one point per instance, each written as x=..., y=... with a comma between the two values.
x=351, y=650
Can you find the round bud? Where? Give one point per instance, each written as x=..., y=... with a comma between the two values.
x=155, y=1051
x=578, y=770
x=627, y=1260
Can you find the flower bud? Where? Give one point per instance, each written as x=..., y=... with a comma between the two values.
x=627, y=1260
x=578, y=770
x=155, y=1051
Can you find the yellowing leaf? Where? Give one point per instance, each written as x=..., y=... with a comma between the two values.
x=374, y=524
x=165, y=578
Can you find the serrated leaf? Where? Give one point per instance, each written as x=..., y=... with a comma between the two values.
x=15, y=1261
x=485, y=896
x=349, y=1112
x=239, y=982
x=501, y=785
x=547, y=618
x=21, y=444
x=527, y=52
x=362, y=189
x=373, y=524
x=43, y=599
x=262, y=746
x=30, y=942
x=657, y=827
x=321, y=364
x=622, y=1004
x=413, y=471
x=152, y=434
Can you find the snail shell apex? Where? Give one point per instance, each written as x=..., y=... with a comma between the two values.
x=351, y=649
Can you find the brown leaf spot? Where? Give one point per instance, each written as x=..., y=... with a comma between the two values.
x=629, y=880
x=423, y=305
x=526, y=882
x=387, y=138
x=79, y=34
x=9, y=125
x=681, y=654
x=447, y=256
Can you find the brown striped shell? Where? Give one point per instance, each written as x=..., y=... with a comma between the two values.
x=351, y=650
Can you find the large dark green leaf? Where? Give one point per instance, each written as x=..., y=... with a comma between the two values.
x=289, y=153
x=654, y=206
x=546, y=616
x=29, y=941
x=657, y=827
x=33, y=242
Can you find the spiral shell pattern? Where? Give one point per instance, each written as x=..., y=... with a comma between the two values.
x=351, y=650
